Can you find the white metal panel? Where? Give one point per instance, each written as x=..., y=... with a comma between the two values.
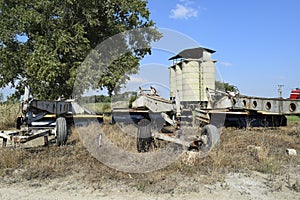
x=206, y=55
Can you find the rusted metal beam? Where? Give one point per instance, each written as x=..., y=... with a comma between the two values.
x=17, y=137
x=4, y=142
x=46, y=141
x=171, y=139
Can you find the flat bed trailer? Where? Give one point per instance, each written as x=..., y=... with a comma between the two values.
x=154, y=115
x=44, y=118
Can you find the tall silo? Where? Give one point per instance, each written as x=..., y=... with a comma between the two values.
x=207, y=78
x=190, y=80
x=178, y=69
x=194, y=72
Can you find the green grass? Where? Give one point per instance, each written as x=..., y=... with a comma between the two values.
x=293, y=119
x=98, y=107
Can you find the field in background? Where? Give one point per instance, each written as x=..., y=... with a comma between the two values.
x=293, y=119
x=98, y=107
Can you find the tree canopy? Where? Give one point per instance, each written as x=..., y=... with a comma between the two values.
x=1, y=97
x=44, y=42
x=225, y=86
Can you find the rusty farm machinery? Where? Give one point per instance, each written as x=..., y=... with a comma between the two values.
x=44, y=118
x=194, y=102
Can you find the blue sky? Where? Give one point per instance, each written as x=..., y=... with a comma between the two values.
x=257, y=43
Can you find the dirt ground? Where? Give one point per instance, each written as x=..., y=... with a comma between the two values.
x=250, y=185
x=69, y=172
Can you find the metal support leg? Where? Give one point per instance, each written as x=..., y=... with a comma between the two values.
x=4, y=142
x=46, y=141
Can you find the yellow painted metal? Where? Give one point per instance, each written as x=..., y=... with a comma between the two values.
x=75, y=116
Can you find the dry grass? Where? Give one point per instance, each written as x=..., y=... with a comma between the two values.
x=51, y=162
x=9, y=114
x=256, y=149
x=122, y=136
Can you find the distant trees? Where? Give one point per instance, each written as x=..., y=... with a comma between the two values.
x=1, y=97
x=44, y=42
x=222, y=86
x=95, y=99
x=126, y=96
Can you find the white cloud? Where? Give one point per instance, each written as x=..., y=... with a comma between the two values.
x=183, y=11
x=135, y=80
x=226, y=64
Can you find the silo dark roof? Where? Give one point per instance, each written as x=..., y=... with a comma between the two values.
x=194, y=53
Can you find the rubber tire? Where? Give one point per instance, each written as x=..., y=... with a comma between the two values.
x=213, y=139
x=61, y=131
x=144, y=137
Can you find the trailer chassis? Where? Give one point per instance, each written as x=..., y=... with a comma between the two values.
x=251, y=111
x=34, y=110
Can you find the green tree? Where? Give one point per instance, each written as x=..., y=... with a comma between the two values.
x=225, y=86
x=1, y=97
x=44, y=42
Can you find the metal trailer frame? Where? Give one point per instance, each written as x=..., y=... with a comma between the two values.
x=34, y=110
x=18, y=137
x=191, y=99
x=219, y=103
